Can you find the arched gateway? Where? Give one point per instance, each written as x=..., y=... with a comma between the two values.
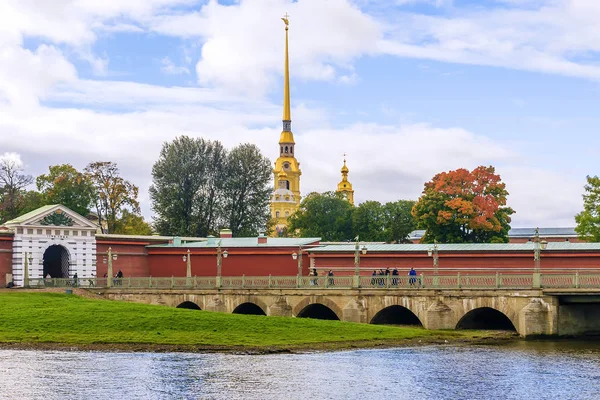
x=52, y=240
x=56, y=262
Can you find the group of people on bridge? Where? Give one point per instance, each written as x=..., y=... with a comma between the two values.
x=379, y=277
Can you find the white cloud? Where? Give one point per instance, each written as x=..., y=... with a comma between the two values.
x=558, y=37
x=12, y=158
x=169, y=67
x=321, y=43
x=25, y=76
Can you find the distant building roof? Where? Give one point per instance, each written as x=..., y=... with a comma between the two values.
x=544, y=232
x=517, y=233
x=114, y=236
x=244, y=242
x=458, y=247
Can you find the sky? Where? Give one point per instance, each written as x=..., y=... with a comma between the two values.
x=406, y=88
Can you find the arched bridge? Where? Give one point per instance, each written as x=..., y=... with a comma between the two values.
x=528, y=304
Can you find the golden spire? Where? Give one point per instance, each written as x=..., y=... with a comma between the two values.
x=287, y=115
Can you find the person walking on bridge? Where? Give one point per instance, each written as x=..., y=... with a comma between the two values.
x=412, y=274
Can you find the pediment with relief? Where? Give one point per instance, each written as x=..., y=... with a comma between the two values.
x=57, y=218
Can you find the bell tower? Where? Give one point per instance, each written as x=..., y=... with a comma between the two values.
x=345, y=187
x=286, y=174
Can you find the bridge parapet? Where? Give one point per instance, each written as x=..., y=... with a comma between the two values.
x=497, y=280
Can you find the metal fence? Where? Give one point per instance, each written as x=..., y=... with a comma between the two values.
x=498, y=280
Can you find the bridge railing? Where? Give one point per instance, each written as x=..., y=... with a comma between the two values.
x=422, y=281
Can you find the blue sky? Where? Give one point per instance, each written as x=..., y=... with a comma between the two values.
x=406, y=88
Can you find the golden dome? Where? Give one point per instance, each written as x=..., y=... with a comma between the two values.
x=344, y=168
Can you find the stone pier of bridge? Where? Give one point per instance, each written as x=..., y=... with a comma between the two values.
x=530, y=312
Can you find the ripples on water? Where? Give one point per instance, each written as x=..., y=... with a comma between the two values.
x=523, y=370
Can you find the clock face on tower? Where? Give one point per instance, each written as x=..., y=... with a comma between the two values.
x=286, y=165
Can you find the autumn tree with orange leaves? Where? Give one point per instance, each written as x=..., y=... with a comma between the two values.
x=463, y=206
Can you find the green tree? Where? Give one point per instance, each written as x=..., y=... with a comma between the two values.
x=132, y=224
x=12, y=187
x=464, y=206
x=326, y=215
x=67, y=186
x=187, y=186
x=399, y=222
x=247, y=190
x=112, y=194
x=588, y=221
x=368, y=221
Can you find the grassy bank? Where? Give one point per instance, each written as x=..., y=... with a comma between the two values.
x=48, y=320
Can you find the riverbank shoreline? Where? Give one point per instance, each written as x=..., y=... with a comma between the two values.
x=493, y=338
x=65, y=322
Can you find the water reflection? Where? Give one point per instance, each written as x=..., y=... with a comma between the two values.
x=534, y=370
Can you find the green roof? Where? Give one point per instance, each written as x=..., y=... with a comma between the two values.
x=244, y=242
x=113, y=236
x=22, y=218
x=456, y=247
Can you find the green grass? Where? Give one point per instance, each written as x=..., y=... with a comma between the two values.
x=68, y=319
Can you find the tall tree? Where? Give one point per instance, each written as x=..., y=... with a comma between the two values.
x=399, y=222
x=113, y=194
x=67, y=186
x=588, y=221
x=464, y=206
x=247, y=190
x=132, y=224
x=368, y=221
x=187, y=184
x=326, y=215
x=12, y=186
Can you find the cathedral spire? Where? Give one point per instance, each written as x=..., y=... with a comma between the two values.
x=287, y=115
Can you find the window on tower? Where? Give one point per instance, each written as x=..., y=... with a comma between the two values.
x=281, y=149
x=292, y=149
x=287, y=213
x=276, y=214
x=286, y=149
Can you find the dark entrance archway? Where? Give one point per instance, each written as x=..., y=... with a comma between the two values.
x=396, y=315
x=249, y=309
x=318, y=311
x=485, y=318
x=56, y=262
x=189, y=305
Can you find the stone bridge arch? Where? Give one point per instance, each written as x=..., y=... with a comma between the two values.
x=190, y=305
x=409, y=303
x=249, y=299
x=396, y=315
x=499, y=304
x=307, y=301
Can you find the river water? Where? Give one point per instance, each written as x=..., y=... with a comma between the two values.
x=521, y=370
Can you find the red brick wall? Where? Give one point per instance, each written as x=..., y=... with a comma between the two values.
x=5, y=258
x=132, y=259
x=451, y=263
x=169, y=262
